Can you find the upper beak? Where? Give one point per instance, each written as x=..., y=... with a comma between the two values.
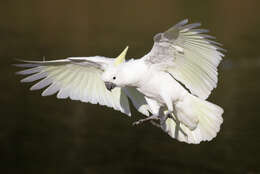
x=109, y=85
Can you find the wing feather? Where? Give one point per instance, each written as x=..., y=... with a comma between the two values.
x=189, y=55
x=75, y=78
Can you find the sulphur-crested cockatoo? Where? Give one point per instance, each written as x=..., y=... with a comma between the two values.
x=169, y=84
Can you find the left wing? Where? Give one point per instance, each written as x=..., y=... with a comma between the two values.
x=189, y=55
x=77, y=79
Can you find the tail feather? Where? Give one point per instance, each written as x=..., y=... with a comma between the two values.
x=209, y=118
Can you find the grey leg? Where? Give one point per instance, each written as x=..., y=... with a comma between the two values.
x=155, y=124
x=153, y=117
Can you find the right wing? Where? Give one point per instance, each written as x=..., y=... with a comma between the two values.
x=77, y=79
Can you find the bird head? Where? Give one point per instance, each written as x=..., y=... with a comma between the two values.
x=112, y=76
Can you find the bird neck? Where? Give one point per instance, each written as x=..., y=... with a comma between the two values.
x=135, y=71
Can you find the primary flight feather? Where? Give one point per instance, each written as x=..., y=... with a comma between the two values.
x=169, y=85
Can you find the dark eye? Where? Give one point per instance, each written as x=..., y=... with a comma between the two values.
x=114, y=78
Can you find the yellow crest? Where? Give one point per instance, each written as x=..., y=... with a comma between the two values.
x=121, y=58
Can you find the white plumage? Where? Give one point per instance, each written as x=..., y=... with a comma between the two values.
x=189, y=55
x=76, y=79
x=171, y=82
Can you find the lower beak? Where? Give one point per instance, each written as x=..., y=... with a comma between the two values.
x=110, y=85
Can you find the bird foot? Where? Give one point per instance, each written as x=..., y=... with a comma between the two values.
x=153, y=117
x=155, y=124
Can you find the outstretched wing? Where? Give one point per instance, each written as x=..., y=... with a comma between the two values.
x=189, y=55
x=77, y=79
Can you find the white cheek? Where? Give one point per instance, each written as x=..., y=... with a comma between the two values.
x=118, y=83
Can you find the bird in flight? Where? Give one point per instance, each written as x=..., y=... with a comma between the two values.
x=169, y=85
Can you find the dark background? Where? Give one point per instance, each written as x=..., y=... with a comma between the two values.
x=47, y=135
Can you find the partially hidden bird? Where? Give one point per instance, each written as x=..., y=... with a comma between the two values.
x=169, y=85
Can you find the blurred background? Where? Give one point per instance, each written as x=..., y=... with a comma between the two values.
x=47, y=135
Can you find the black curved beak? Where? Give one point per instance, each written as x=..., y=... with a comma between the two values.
x=110, y=85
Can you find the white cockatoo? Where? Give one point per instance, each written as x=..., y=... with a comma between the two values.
x=169, y=85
